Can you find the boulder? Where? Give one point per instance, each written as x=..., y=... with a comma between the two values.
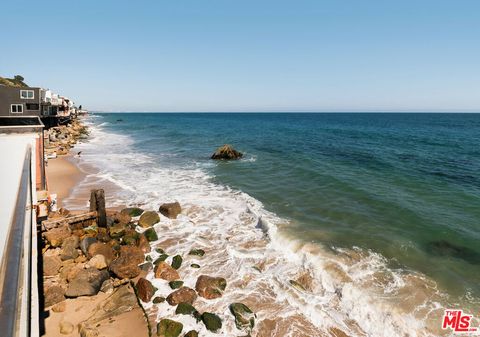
x=182, y=295
x=100, y=248
x=197, y=252
x=164, y=271
x=169, y=328
x=55, y=236
x=145, y=289
x=244, y=317
x=87, y=283
x=132, y=211
x=85, y=243
x=51, y=265
x=98, y=262
x=122, y=218
x=191, y=333
x=175, y=284
x=226, y=152
x=150, y=234
x=210, y=287
x=212, y=322
x=177, y=261
x=187, y=309
x=53, y=294
x=69, y=248
x=158, y=299
x=170, y=210
x=144, y=244
x=117, y=231
x=126, y=265
x=148, y=219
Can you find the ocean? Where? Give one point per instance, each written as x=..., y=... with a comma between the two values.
x=377, y=213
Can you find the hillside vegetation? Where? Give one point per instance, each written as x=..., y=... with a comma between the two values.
x=17, y=81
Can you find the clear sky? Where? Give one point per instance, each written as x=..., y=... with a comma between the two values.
x=248, y=55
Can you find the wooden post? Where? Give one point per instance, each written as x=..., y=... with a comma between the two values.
x=97, y=203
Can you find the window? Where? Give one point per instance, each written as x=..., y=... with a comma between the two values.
x=16, y=108
x=32, y=106
x=27, y=94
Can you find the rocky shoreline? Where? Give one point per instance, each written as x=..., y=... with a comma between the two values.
x=93, y=275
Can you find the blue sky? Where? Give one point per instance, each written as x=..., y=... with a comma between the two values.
x=226, y=55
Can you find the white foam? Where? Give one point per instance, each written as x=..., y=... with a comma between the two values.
x=352, y=290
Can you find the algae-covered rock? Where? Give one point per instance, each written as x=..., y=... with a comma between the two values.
x=148, y=219
x=159, y=250
x=197, y=252
x=244, y=317
x=177, y=261
x=187, y=309
x=132, y=211
x=151, y=234
x=158, y=299
x=191, y=333
x=169, y=328
x=212, y=322
x=161, y=258
x=175, y=284
x=117, y=231
x=194, y=265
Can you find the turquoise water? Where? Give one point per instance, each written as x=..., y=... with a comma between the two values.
x=406, y=186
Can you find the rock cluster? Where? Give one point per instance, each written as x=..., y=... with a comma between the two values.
x=61, y=138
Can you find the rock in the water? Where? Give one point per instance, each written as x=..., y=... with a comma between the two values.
x=212, y=322
x=66, y=328
x=98, y=261
x=177, y=261
x=297, y=285
x=194, y=265
x=191, y=333
x=175, y=284
x=161, y=258
x=51, y=265
x=166, y=272
x=210, y=287
x=53, y=294
x=85, y=243
x=197, y=252
x=182, y=295
x=145, y=289
x=168, y=328
x=158, y=299
x=126, y=265
x=87, y=283
x=132, y=211
x=244, y=317
x=151, y=234
x=171, y=210
x=227, y=152
x=100, y=248
x=144, y=244
x=55, y=236
x=148, y=219
x=187, y=309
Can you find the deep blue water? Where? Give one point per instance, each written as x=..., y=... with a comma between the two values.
x=403, y=185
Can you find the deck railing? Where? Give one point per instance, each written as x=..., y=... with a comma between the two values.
x=18, y=279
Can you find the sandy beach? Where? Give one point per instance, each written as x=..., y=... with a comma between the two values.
x=62, y=176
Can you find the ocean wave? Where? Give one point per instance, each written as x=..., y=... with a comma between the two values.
x=348, y=290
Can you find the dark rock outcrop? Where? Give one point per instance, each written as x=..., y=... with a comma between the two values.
x=226, y=152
